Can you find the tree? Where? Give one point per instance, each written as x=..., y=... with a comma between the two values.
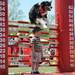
x=14, y=12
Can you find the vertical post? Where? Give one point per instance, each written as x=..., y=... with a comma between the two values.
x=3, y=37
x=64, y=12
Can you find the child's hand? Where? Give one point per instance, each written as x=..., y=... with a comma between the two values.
x=43, y=59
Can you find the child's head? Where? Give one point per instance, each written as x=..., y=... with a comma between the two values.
x=37, y=31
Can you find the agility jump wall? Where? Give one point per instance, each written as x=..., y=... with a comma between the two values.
x=64, y=12
x=3, y=37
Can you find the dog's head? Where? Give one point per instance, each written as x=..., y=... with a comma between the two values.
x=47, y=5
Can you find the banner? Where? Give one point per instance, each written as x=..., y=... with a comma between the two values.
x=3, y=37
x=64, y=13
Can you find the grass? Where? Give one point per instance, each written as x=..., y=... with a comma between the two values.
x=19, y=70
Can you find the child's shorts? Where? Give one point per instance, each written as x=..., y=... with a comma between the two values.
x=36, y=57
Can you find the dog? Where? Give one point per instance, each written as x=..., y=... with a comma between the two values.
x=38, y=14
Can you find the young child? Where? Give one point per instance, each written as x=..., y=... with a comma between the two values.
x=37, y=53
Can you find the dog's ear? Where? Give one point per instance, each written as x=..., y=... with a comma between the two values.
x=36, y=5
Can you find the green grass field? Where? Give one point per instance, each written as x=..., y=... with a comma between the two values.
x=19, y=70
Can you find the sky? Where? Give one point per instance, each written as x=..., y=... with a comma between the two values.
x=74, y=12
x=26, y=5
x=74, y=16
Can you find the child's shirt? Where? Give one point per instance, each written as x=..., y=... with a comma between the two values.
x=37, y=53
x=36, y=46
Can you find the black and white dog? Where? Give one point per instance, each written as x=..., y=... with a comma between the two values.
x=38, y=14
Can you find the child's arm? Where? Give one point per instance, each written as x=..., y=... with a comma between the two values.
x=33, y=41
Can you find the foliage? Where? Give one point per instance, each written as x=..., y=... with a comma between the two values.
x=14, y=12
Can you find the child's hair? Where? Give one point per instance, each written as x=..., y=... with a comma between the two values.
x=36, y=29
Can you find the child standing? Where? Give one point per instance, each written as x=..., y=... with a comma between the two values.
x=37, y=53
